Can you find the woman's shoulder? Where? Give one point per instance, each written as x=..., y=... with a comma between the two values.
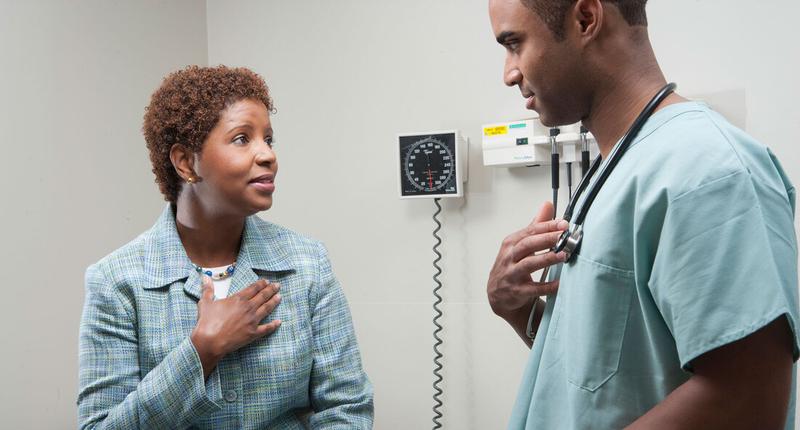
x=123, y=264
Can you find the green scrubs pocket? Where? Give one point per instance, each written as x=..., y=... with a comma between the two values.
x=598, y=299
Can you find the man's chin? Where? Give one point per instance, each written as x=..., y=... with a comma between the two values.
x=548, y=119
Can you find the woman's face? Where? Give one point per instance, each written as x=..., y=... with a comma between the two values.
x=237, y=165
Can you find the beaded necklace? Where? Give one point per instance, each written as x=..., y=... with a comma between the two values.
x=216, y=276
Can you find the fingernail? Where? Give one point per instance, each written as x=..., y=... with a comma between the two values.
x=277, y=286
x=206, y=279
x=278, y=297
x=563, y=225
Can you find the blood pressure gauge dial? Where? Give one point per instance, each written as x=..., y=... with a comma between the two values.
x=428, y=165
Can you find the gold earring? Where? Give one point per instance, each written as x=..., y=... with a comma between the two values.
x=190, y=179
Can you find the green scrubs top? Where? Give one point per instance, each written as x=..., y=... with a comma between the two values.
x=689, y=245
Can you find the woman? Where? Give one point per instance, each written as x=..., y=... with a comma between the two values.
x=215, y=318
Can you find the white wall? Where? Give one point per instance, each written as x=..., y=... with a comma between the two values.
x=75, y=179
x=348, y=75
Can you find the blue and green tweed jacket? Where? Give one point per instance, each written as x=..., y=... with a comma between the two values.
x=139, y=369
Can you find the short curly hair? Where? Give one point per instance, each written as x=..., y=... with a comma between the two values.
x=185, y=108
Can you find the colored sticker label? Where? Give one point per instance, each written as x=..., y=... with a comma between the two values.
x=495, y=131
x=518, y=125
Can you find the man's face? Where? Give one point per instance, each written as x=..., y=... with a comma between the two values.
x=546, y=71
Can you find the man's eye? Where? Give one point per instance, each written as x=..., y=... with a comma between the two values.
x=512, y=45
x=240, y=139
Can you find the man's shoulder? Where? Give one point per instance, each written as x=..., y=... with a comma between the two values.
x=696, y=146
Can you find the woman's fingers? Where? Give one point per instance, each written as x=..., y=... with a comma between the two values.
x=268, y=328
x=264, y=295
x=208, y=290
x=267, y=307
x=253, y=289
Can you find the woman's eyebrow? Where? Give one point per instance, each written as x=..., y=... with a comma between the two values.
x=237, y=126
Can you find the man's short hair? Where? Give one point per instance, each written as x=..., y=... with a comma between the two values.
x=553, y=12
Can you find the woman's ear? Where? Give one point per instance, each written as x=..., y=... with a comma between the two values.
x=183, y=162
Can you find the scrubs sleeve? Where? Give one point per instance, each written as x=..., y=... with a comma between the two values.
x=725, y=266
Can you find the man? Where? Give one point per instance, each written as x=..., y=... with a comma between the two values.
x=680, y=308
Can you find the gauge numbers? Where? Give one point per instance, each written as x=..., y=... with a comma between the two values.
x=428, y=165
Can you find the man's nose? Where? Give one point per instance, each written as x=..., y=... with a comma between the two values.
x=512, y=76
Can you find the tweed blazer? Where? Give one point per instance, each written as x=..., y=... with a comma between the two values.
x=139, y=368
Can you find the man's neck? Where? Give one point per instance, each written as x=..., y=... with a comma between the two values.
x=210, y=239
x=616, y=107
x=623, y=95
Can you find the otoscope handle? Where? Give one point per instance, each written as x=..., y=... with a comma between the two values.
x=554, y=170
x=584, y=162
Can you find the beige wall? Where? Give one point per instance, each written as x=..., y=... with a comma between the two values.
x=75, y=179
x=346, y=77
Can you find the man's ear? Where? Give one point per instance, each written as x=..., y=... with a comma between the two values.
x=586, y=19
x=183, y=162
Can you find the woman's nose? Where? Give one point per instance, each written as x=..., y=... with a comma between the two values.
x=265, y=155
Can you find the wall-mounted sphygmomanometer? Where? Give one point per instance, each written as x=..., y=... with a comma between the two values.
x=433, y=165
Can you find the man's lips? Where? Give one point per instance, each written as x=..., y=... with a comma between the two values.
x=530, y=101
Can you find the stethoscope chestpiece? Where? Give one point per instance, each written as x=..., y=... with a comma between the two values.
x=570, y=241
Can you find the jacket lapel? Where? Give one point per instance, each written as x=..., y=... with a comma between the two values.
x=165, y=261
x=262, y=250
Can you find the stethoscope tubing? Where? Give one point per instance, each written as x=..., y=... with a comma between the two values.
x=613, y=160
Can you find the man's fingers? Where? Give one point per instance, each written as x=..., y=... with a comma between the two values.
x=546, y=213
x=267, y=307
x=268, y=328
x=529, y=245
x=547, y=226
x=547, y=288
x=253, y=289
x=533, y=263
x=536, y=228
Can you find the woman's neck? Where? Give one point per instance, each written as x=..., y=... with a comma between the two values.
x=210, y=239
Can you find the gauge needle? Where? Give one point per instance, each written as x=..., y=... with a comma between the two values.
x=430, y=178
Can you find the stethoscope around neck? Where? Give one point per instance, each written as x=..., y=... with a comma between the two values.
x=570, y=240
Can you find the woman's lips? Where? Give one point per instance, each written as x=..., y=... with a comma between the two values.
x=263, y=183
x=267, y=187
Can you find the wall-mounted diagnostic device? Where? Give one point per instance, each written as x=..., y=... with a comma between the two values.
x=529, y=143
x=433, y=165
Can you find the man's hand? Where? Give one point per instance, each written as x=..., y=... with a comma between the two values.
x=511, y=289
x=223, y=326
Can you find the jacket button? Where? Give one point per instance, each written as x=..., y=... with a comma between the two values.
x=230, y=396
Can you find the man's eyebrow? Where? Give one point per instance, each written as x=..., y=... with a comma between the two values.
x=501, y=38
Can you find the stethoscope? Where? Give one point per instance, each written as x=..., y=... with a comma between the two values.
x=570, y=240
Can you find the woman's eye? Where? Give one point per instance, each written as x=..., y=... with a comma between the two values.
x=269, y=140
x=240, y=140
